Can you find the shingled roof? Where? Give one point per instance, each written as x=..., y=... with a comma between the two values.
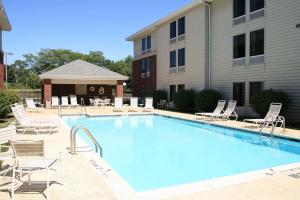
x=82, y=70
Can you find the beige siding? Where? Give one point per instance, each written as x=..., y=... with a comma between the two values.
x=194, y=45
x=138, y=44
x=281, y=69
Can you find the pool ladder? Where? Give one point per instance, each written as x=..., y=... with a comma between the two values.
x=273, y=126
x=73, y=133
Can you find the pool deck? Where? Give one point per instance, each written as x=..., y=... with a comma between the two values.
x=83, y=181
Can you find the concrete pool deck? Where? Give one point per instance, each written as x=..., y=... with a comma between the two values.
x=82, y=180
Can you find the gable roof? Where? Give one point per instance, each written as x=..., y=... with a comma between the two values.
x=82, y=70
x=4, y=22
x=165, y=19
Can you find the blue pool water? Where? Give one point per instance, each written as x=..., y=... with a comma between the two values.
x=153, y=151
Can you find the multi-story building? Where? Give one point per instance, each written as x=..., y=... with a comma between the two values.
x=4, y=26
x=237, y=47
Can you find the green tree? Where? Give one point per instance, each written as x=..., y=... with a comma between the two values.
x=25, y=72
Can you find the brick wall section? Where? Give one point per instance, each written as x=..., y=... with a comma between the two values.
x=119, y=89
x=140, y=83
x=47, y=91
x=1, y=70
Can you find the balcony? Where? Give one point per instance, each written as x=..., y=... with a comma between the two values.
x=144, y=54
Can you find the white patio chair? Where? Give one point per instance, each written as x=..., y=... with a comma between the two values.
x=73, y=99
x=218, y=110
x=31, y=106
x=133, y=104
x=118, y=104
x=65, y=101
x=92, y=102
x=30, y=158
x=148, y=104
x=229, y=112
x=37, y=126
x=54, y=101
x=6, y=134
x=271, y=117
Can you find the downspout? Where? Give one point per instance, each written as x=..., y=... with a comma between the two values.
x=209, y=42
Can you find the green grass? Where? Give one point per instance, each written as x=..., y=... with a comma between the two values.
x=6, y=121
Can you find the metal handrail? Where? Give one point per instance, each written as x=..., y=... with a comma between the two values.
x=73, y=133
x=266, y=123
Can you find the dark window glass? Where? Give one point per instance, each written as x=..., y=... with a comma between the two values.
x=238, y=8
x=143, y=66
x=257, y=43
x=172, y=59
x=181, y=57
x=255, y=88
x=256, y=5
x=181, y=87
x=143, y=44
x=172, y=91
x=181, y=26
x=148, y=65
x=239, y=43
x=239, y=93
x=173, y=30
x=149, y=42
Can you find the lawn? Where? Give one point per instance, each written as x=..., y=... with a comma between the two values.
x=6, y=121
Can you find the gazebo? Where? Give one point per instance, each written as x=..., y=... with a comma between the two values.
x=83, y=79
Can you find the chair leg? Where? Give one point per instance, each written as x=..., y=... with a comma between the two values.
x=48, y=179
x=13, y=184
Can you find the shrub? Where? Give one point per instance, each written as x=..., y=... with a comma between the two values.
x=261, y=102
x=159, y=95
x=7, y=98
x=206, y=100
x=184, y=99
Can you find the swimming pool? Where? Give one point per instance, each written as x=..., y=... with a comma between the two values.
x=153, y=151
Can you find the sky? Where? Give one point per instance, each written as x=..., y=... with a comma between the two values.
x=82, y=26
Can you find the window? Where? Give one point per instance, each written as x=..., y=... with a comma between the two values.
x=257, y=43
x=181, y=87
x=239, y=45
x=239, y=93
x=172, y=59
x=148, y=67
x=149, y=42
x=256, y=5
x=181, y=57
x=181, y=26
x=173, y=30
x=172, y=91
x=255, y=88
x=143, y=68
x=238, y=8
x=143, y=44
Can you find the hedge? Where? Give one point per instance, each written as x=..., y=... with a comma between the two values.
x=206, y=100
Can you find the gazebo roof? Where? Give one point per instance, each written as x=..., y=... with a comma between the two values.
x=82, y=70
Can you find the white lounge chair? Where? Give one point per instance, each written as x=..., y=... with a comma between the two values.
x=73, y=99
x=30, y=158
x=133, y=104
x=55, y=101
x=148, y=104
x=6, y=134
x=229, y=112
x=31, y=106
x=37, y=126
x=271, y=117
x=65, y=101
x=118, y=104
x=218, y=110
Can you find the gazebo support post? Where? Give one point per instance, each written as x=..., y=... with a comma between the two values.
x=47, y=92
x=119, y=89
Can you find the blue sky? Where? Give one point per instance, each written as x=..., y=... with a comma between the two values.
x=80, y=25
